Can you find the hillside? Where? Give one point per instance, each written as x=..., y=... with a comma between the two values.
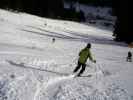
x=32, y=67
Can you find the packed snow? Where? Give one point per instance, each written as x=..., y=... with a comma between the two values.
x=34, y=67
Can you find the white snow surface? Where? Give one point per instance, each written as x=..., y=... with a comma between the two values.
x=32, y=67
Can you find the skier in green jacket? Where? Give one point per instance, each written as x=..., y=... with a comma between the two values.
x=83, y=56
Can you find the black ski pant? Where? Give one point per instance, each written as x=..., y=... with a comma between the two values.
x=79, y=66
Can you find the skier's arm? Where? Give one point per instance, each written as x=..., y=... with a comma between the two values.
x=90, y=57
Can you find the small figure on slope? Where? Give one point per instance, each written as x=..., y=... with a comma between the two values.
x=53, y=40
x=129, y=57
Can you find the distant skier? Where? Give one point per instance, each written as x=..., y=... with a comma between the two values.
x=53, y=40
x=45, y=24
x=83, y=56
x=129, y=57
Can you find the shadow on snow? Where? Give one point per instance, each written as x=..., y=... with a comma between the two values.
x=21, y=65
x=75, y=36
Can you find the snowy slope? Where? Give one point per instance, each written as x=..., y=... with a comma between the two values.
x=32, y=67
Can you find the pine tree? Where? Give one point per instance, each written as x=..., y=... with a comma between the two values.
x=123, y=31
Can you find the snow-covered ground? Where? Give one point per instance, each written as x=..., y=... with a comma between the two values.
x=32, y=67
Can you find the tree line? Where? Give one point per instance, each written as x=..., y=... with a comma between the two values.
x=94, y=2
x=45, y=8
x=123, y=31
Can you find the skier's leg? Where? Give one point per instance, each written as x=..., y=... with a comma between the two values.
x=130, y=60
x=78, y=67
x=83, y=69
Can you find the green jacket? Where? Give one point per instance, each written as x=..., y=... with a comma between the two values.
x=84, y=54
